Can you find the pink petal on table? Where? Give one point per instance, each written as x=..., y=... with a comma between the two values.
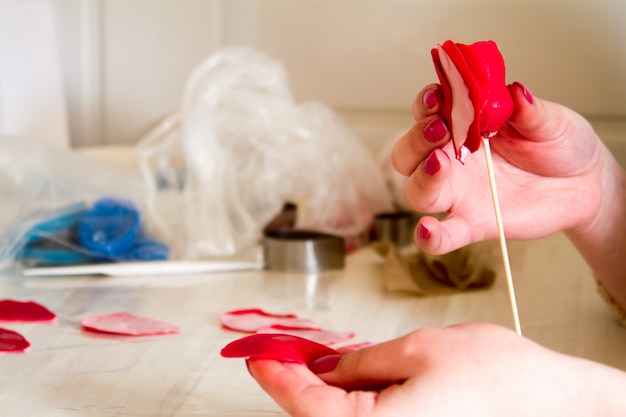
x=326, y=337
x=356, y=346
x=127, y=324
x=282, y=347
x=11, y=341
x=253, y=319
x=29, y=311
x=476, y=100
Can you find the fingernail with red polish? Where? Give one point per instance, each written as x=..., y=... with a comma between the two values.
x=430, y=98
x=324, y=364
x=423, y=231
x=432, y=164
x=435, y=130
x=526, y=91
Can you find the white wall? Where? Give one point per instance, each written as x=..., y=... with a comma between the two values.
x=126, y=61
x=375, y=54
x=31, y=97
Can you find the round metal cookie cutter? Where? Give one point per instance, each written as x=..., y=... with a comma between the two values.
x=395, y=227
x=303, y=251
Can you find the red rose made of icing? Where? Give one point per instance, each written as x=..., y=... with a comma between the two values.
x=476, y=100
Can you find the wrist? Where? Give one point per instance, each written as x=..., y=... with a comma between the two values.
x=601, y=238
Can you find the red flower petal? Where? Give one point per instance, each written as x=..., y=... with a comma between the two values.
x=282, y=347
x=11, y=341
x=251, y=320
x=30, y=311
x=127, y=324
x=476, y=100
x=325, y=337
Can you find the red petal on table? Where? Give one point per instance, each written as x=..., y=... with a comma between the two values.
x=326, y=337
x=11, y=341
x=282, y=347
x=476, y=101
x=12, y=310
x=127, y=324
x=251, y=320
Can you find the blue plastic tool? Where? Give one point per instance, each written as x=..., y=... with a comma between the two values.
x=109, y=228
x=55, y=222
x=108, y=231
x=49, y=252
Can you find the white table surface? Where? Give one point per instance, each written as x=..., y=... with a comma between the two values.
x=69, y=372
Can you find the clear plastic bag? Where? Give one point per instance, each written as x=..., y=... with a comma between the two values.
x=241, y=148
x=45, y=189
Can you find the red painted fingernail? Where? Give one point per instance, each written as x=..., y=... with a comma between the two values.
x=435, y=130
x=423, y=231
x=527, y=94
x=324, y=364
x=432, y=164
x=430, y=98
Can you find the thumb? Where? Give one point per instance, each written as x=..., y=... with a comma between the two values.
x=371, y=368
x=533, y=118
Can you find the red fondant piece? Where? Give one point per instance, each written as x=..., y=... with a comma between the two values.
x=127, y=324
x=476, y=101
x=326, y=337
x=11, y=341
x=282, y=347
x=253, y=319
x=30, y=311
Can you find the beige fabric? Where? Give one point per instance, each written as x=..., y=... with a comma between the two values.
x=465, y=269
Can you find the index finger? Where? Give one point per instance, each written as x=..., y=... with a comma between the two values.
x=427, y=102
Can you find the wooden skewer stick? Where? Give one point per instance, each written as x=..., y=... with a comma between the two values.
x=503, y=248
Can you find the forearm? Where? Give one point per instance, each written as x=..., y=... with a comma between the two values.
x=602, y=242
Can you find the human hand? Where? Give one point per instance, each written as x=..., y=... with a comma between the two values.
x=469, y=369
x=547, y=162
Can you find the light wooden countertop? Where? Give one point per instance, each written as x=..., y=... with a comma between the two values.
x=69, y=372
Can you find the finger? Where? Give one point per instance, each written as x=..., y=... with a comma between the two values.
x=540, y=129
x=301, y=393
x=409, y=356
x=427, y=102
x=533, y=118
x=439, y=237
x=424, y=136
x=425, y=190
x=380, y=365
x=372, y=368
